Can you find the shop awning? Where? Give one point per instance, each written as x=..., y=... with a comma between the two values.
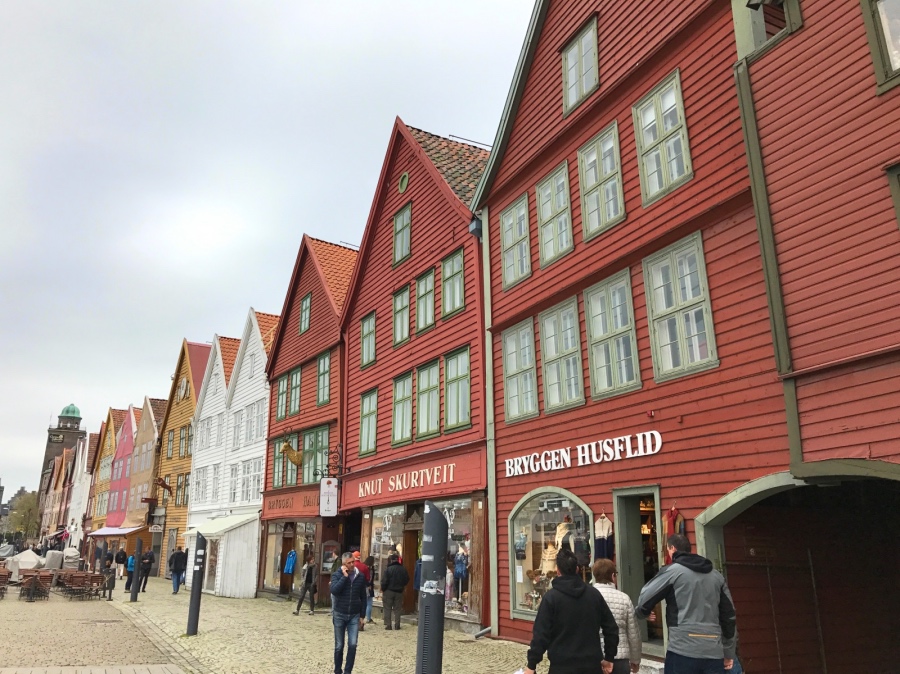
x=220, y=525
x=113, y=531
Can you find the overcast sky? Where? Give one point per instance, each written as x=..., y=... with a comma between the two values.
x=160, y=161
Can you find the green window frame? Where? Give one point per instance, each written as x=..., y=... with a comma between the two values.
x=182, y=436
x=367, y=340
x=281, y=402
x=753, y=29
x=170, y=444
x=305, y=307
x=893, y=175
x=187, y=489
x=679, y=311
x=294, y=404
x=519, y=372
x=600, y=178
x=402, y=232
x=315, y=454
x=612, y=343
x=323, y=381
x=457, y=390
x=425, y=301
x=660, y=129
x=401, y=315
x=401, y=422
x=368, y=422
x=453, y=284
x=291, y=469
x=277, y=465
x=882, y=20
x=580, y=67
x=554, y=215
x=515, y=238
x=561, y=356
x=428, y=400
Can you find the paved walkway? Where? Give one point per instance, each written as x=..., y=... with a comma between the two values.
x=138, y=669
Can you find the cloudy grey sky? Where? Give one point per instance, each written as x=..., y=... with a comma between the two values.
x=160, y=161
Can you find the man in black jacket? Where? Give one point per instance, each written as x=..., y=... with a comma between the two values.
x=348, y=594
x=568, y=624
x=177, y=565
x=121, y=558
x=147, y=560
x=393, y=581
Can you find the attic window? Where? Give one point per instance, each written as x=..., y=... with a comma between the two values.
x=579, y=66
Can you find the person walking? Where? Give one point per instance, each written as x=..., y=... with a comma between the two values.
x=393, y=582
x=121, y=559
x=699, y=611
x=370, y=589
x=109, y=571
x=129, y=569
x=568, y=624
x=365, y=570
x=628, y=657
x=147, y=560
x=348, y=592
x=309, y=574
x=177, y=565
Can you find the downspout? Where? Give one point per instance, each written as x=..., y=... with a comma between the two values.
x=491, y=462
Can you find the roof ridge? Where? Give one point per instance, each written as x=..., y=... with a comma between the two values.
x=332, y=243
x=448, y=139
x=266, y=313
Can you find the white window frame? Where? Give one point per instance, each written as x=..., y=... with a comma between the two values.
x=597, y=195
x=368, y=422
x=453, y=283
x=250, y=424
x=237, y=418
x=614, y=339
x=403, y=234
x=256, y=478
x=305, y=309
x=367, y=340
x=555, y=224
x=459, y=388
x=428, y=400
x=400, y=312
x=583, y=48
x=425, y=301
x=516, y=376
x=246, y=482
x=216, y=478
x=261, y=419
x=220, y=429
x=656, y=313
x=645, y=147
x=323, y=379
x=515, y=242
x=561, y=357
x=233, y=482
x=401, y=406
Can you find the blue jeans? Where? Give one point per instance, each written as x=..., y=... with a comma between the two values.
x=350, y=623
x=176, y=581
x=682, y=664
x=369, y=607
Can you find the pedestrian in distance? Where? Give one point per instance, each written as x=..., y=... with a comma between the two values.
x=147, y=560
x=628, y=657
x=393, y=581
x=366, y=571
x=177, y=565
x=348, y=591
x=699, y=612
x=109, y=573
x=309, y=575
x=568, y=625
x=370, y=589
x=129, y=569
x=121, y=559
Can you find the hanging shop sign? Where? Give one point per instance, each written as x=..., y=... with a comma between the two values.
x=640, y=444
x=328, y=497
x=155, y=529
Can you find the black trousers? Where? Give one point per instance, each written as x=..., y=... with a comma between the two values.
x=307, y=588
x=128, y=582
x=145, y=574
x=393, y=605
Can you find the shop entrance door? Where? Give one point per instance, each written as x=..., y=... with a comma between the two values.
x=287, y=544
x=212, y=565
x=170, y=550
x=638, y=557
x=412, y=544
x=156, y=545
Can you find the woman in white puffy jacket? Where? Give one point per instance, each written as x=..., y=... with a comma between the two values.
x=628, y=657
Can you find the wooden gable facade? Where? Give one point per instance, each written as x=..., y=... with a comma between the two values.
x=415, y=423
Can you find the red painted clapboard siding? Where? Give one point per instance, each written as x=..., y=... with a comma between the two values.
x=719, y=174
x=436, y=232
x=825, y=146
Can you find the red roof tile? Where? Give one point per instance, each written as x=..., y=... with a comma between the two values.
x=158, y=407
x=198, y=355
x=118, y=417
x=268, y=326
x=336, y=263
x=93, y=446
x=138, y=412
x=228, y=347
x=461, y=164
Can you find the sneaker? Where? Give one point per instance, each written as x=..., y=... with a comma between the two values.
x=312, y=612
x=370, y=622
x=296, y=612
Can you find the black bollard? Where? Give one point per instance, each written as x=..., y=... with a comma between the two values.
x=136, y=574
x=196, y=586
x=430, y=650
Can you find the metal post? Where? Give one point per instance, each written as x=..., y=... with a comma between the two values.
x=136, y=574
x=430, y=649
x=103, y=552
x=196, y=585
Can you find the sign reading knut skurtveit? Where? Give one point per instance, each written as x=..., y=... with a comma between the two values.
x=640, y=444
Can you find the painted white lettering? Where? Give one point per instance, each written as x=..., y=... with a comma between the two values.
x=629, y=452
x=453, y=468
x=584, y=453
x=657, y=442
x=607, y=450
x=534, y=464
x=391, y=483
x=617, y=443
x=414, y=479
x=547, y=461
x=565, y=458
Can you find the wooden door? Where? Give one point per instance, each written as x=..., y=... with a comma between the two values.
x=287, y=579
x=412, y=541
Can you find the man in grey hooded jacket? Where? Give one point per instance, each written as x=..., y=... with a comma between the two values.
x=699, y=612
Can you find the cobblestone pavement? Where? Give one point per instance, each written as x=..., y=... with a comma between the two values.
x=260, y=636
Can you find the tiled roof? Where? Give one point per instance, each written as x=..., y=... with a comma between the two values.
x=461, y=164
x=268, y=325
x=228, y=346
x=198, y=355
x=93, y=446
x=337, y=264
x=138, y=413
x=118, y=419
x=158, y=407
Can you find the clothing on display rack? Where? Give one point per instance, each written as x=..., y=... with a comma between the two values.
x=674, y=525
x=290, y=561
x=604, y=541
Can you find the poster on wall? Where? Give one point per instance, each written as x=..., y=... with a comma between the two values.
x=328, y=497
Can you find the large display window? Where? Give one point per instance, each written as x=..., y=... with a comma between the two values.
x=387, y=536
x=272, y=575
x=543, y=522
x=458, y=513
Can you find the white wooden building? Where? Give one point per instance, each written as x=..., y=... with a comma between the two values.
x=230, y=429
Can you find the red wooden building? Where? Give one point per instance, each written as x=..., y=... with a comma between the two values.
x=305, y=369
x=633, y=369
x=821, y=110
x=415, y=366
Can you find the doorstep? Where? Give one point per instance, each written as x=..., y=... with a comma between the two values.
x=452, y=623
x=651, y=667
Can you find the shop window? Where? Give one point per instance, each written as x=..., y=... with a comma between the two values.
x=610, y=326
x=516, y=243
x=542, y=523
x=519, y=374
x=600, y=174
x=387, y=536
x=561, y=356
x=458, y=513
x=272, y=574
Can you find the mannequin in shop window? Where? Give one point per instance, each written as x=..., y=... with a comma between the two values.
x=564, y=535
x=461, y=573
x=548, y=558
x=604, y=542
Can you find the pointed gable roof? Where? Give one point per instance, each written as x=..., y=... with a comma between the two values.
x=93, y=446
x=268, y=326
x=460, y=164
x=158, y=410
x=118, y=418
x=197, y=354
x=335, y=264
x=228, y=349
x=138, y=411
